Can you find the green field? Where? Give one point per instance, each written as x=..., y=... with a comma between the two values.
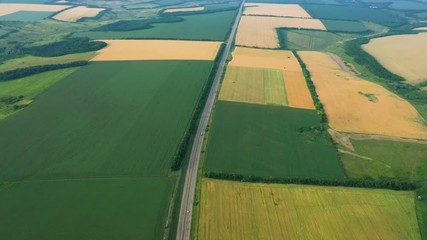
x=309, y=39
x=3, y=32
x=388, y=159
x=422, y=15
x=351, y=13
x=261, y=140
x=106, y=119
x=212, y=26
x=28, y=88
x=344, y=26
x=30, y=61
x=25, y=16
x=108, y=209
x=254, y=85
x=408, y=5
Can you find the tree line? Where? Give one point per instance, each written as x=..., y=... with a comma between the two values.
x=24, y=72
x=319, y=106
x=64, y=47
x=131, y=25
x=386, y=183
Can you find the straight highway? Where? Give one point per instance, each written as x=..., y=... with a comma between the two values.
x=184, y=223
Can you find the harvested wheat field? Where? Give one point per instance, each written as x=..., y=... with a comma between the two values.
x=236, y=210
x=297, y=92
x=254, y=85
x=359, y=106
x=9, y=8
x=407, y=60
x=74, y=14
x=191, y=9
x=123, y=50
x=265, y=58
x=278, y=10
x=258, y=31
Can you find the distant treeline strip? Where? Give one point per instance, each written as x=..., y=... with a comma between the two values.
x=394, y=184
x=205, y=11
x=24, y=72
x=66, y=46
x=192, y=128
x=312, y=88
x=131, y=25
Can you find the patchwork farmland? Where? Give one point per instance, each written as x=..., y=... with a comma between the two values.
x=260, y=31
x=297, y=93
x=214, y=119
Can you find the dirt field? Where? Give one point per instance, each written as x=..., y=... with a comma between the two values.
x=191, y=9
x=254, y=85
x=258, y=31
x=279, y=10
x=235, y=210
x=407, y=60
x=9, y=8
x=359, y=106
x=74, y=14
x=122, y=50
x=297, y=92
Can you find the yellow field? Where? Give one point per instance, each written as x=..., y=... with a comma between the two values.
x=356, y=105
x=297, y=91
x=254, y=85
x=122, y=50
x=76, y=13
x=279, y=10
x=9, y=8
x=298, y=94
x=258, y=31
x=191, y=9
x=235, y=210
x=265, y=58
x=407, y=60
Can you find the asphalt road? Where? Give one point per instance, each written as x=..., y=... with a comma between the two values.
x=184, y=224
